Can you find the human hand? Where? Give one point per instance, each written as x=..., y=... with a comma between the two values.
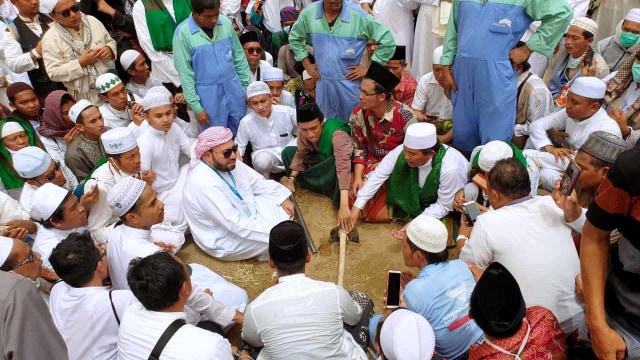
x=519, y=55
x=168, y=248
x=621, y=119
x=356, y=72
x=275, y=100
x=312, y=69
x=16, y=233
x=465, y=229
x=203, y=118
x=568, y=204
x=238, y=318
x=607, y=344
x=355, y=215
x=289, y=183
x=405, y=278
x=400, y=234
x=458, y=200
x=179, y=98
x=148, y=176
x=288, y=207
x=88, y=57
x=39, y=48
x=27, y=225
x=356, y=185
x=562, y=155
x=579, y=287
x=90, y=198
x=475, y=270
x=449, y=83
x=588, y=70
x=104, y=53
x=366, y=7
x=344, y=219
x=105, y=8
x=70, y=135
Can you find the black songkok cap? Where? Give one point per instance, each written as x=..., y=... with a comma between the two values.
x=287, y=243
x=496, y=303
x=249, y=36
x=382, y=76
x=400, y=54
x=308, y=112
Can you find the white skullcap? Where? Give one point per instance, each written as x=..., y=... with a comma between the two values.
x=406, y=335
x=47, y=199
x=273, y=74
x=127, y=58
x=6, y=244
x=633, y=15
x=78, y=108
x=124, y=195
x=305, y=75
x=586, y=24
x=106, y=82
x=257, y=88
x=437, y=54
x=492, y=152
x=118, y=141
x=31, y=162
x=420, y=136
x=46, y=6
x=156, y=96
x=10, y=128
x=428, y=233
x=590, y=87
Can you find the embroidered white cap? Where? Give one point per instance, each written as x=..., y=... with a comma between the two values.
x=437, y=54
x=156, y=96
x=6, y=244
x=420, y=136
x=106, y=82
x=118, y=141
x=633, y=15
x=586, y=24
x=47, y=199
x=590, y=87
x=10, y=128
x=124, y=195
x=257, y=88
x=428, y=233
x=272, y=74
x=31, y=162
x=128, y=57
x=406, y=335
x=78, y=108
x=492, y=152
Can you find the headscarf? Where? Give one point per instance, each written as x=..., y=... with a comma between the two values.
x=54, y=125
x=206, y=141
x=8, y=175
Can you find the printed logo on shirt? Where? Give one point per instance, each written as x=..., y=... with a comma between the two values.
x=350, y=51
x=459, y=292
x=503, y=23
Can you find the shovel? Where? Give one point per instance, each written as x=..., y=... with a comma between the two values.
x=337, y=234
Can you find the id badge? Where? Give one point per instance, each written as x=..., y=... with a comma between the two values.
x=246, y=209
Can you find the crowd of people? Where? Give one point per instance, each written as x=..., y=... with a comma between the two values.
x=503, y=136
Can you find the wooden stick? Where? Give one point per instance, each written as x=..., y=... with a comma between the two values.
x=343, y=255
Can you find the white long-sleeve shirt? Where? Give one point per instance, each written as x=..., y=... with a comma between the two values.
x=160, y=151
x=430, y=98
x=18, y=61
x=47, y=239
x=453, y=177
x=277, y=131
x=578, y=131
x=86, y=320
x=162, y=61
x=533, y=241
x=299, y=317
x=10, y=209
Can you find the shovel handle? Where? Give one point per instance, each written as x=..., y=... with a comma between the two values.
x=343, y=255
x=312, y=245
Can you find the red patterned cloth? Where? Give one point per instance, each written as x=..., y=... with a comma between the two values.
x=405, y=91
x=546, y=340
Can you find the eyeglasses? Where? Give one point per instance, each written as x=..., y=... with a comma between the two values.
x=66, y=13
x=362, y=92
x=256, y=50
x=31, y=258
x=227, y=153
x=52, y=174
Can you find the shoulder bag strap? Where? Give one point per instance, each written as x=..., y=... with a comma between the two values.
x=164, y=339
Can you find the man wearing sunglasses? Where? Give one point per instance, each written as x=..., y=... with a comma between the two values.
x=76, y=50
x=253, y=51
x=230, y=207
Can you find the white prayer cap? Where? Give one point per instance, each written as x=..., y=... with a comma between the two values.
x=273, y=74
x=589, y=87
x=420, y=136
x=406, y=335
x=31, y=162
x=428, y=233
x=106, y=82
x=633, y=15
x=118, y=141
x=257, y=88
x=156, y=96
x=492, y=152
x=6, y=244
x=46, y=6
x=437, y=54
x=124, y=195
x=586, y=24
x=128, y=57
x=78, y=108
x=10, y=128
x=305, y=75
x=47, y=199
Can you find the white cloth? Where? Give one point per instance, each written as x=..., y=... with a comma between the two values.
x=271, y=12
x=287, y=99
x=217, y=217
x=532, y=240
x=540, y=102
x=114, y=118
x=397, y=15
x=56, y=147
x=140, y=330
x=10, y=210
x=125, y=244
x=86, y=319
x=28, y=190
x=274, y=133
x=140, y=90
x=300, y=317
x=430, y=98
x=159, y=152
x=47, y=239
x=263, y=65
x=17, y=61
x=163, y=69
x=425, y=40
x=453, y=177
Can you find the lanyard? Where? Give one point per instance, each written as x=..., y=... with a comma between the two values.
x=232, y=188
x=520, y=349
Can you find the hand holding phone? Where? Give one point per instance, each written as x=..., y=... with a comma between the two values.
x=393, y=289
x=472, y=211
x=570, y=178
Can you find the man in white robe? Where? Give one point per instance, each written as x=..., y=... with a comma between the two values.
x=229, y=206
x=425, y=40
x=268, y=128
x=135, y=64
x=14, y=220
x=274, y=78
x=138, y=207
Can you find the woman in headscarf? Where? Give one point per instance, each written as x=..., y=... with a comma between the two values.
x=58, y=129
x=16, y=134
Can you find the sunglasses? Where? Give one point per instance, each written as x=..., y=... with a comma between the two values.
x=227, y=153
x=52, y=174
x=256, y=50
x=66, y=13
x=31, y=258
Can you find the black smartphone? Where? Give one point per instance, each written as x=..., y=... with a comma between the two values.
x=393, y=289
x=570, y=178
x=472, y=210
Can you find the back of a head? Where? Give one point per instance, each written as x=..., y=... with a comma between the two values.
x=156, y=280
x=288, y=247
x=75, y=258
x=510, y=178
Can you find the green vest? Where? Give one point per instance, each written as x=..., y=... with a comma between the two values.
x=160, y=23
x=325, y=144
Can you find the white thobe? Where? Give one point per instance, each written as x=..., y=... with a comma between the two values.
x=430, y=98
x=29, y=190
x=217, y=217
x=533, y=241
x=397, y=15
x=161, y=61
x=141, y=329
x=268, y=136
x=425, y=40
x=299, y=317
x=86, y=320
x=271, y=12
x=140, y=90
x=453, y=177
x=263, y=65
x=114, y=118
x=540, y=102
x=47, y=239
x=55, y=147
x=10, y=210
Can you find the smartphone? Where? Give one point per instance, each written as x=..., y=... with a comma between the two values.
x=588, y=57
x=472, y=210
x=570, y=178
x=393, y=289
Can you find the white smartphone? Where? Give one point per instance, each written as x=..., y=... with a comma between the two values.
x=393, y=289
